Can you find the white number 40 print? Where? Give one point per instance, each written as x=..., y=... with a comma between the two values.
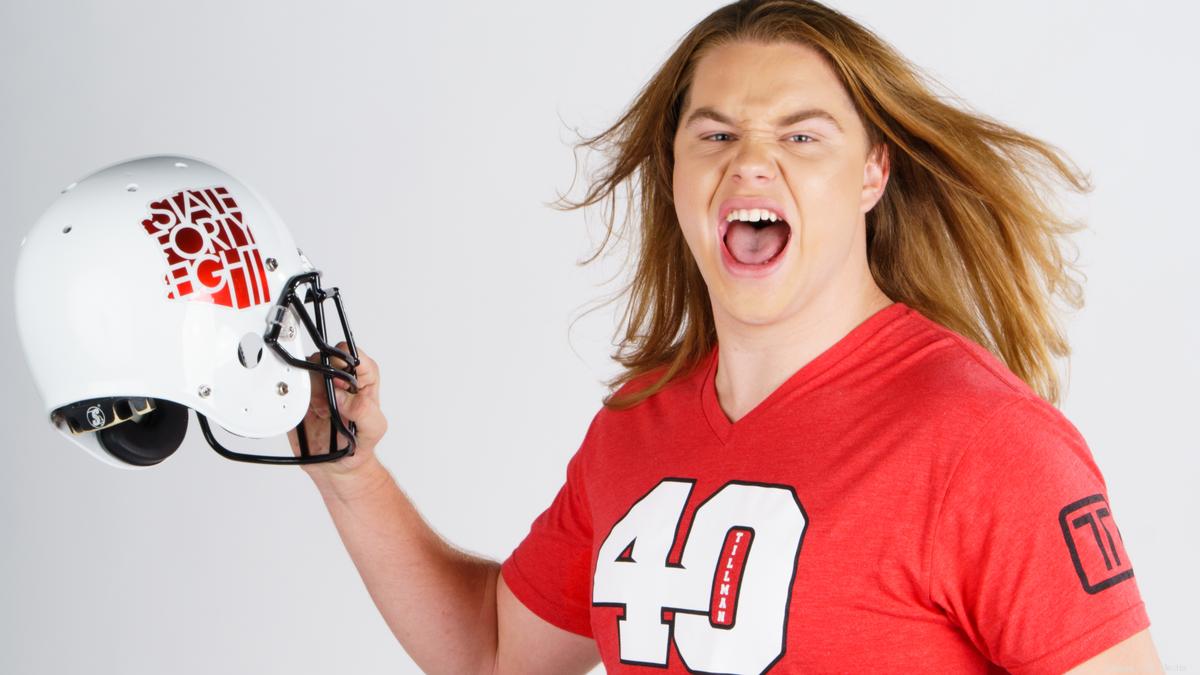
x=730, y=590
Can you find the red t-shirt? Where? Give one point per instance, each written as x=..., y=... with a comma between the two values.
x=903, y=502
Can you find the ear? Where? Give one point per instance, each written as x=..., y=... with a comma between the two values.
x=875, y=177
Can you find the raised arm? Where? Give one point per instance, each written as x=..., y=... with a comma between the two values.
x=450, y=610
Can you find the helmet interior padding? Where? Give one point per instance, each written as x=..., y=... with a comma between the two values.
x=149, y=440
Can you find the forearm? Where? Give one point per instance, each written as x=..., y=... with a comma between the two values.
x=439, y=602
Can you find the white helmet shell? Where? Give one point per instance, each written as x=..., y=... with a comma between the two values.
x=156, y=277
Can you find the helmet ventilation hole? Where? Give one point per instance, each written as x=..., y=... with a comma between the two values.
x=250, y=350
x=132, y=187
x=66, y=229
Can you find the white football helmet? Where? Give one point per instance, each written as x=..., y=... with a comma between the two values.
x=161, y=284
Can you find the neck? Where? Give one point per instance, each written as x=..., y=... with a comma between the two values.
x=755, y=359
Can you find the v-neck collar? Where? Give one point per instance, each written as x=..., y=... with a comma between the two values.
x=725, y=429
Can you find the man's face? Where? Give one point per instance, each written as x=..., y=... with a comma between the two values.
x=735, y=141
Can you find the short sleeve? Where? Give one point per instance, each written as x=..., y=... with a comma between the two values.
x=1026, y=557
x=550, y=570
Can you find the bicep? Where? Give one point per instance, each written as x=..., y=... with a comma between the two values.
x=1133, y=655
x=529, y=644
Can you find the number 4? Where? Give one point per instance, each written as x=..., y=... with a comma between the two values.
x=730, y=590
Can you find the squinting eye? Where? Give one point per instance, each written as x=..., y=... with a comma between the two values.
x=712, y=137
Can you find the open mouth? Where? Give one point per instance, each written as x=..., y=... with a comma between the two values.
x=754, y=244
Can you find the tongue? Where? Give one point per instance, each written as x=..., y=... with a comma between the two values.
x=754, y=246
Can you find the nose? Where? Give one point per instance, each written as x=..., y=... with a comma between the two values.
x=753, y=163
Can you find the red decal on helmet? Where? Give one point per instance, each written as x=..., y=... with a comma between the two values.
x=211, y=254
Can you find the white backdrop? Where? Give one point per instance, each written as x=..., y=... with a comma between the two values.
x=411, y=146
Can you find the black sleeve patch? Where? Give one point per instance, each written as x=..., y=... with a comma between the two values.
x=1095, y=543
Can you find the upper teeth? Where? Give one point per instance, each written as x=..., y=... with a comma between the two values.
x=752, y=215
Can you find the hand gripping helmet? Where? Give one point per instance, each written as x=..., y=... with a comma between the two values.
x=161, y=284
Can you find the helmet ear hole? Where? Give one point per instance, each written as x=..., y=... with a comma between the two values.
x=149, y=440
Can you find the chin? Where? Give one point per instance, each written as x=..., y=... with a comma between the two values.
x=754, y=311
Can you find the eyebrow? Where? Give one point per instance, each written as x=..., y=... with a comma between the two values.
x=706, y=112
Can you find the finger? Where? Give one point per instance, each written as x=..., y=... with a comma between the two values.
x=337, y=361
x=319, y=405
x=316, y=378
x=318, y=402
x=366, y=373
x=370, y=424
x=316, y=435
x=367, y=376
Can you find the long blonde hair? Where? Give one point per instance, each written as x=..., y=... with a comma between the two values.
x=966, y=232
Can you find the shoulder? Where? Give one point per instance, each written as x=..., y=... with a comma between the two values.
x=1008, y=403
x=952, y=376
x=678, y=390
x=961, y=398
x=675, y=403
x=961, y=362
x=1023, y=455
